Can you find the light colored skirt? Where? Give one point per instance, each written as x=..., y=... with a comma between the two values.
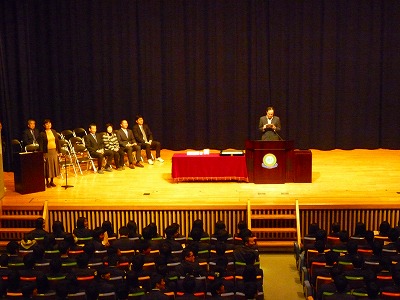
x=51, y=167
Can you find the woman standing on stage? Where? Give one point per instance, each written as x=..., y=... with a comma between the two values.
x=49, y=144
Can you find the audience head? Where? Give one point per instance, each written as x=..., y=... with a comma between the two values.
x=343, y=236
x=89, y=248
x=341, y=283
x=198, y=224
x=217, y=287
x=196, y=234
x=58, y=228
x=153, y=229
x=250, y=290
x=188, y=255
x=165, y=249
x=81, y=222
x=393, y=235
x=369, y=237
x=157, y=282
x=107, y=227
x=319, y=245
x=29, y=261
x=320, y=235
x=220, y=225
x=98, y=234
x=189, y=285
x=312, y=229
x=385, y=263
x=4, y=260
x=352, y=247
x=220, y=248
x=384, y=228
x=132, y=227
x=331, y=258
x=170, y=232
x=249, y=273
x=358, y=261
x=360, y=229
x=55, y=265
x=39, y=223
x=335, y=228
x=377, y=248
x=82, y=260
x=12, y=248
x=373, y=290
x=42, y=284
x=132, y=279
x=123, y=231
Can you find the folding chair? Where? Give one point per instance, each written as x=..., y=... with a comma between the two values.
x=81, y=154
x=66, y=158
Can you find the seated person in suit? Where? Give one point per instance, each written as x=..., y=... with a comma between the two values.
x=144, y=138
x=31, y=134
x=128, y=143
x=95, y=146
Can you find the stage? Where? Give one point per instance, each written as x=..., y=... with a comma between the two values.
x=353, y=180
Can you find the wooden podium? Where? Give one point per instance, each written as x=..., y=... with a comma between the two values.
x=29, y=172
x=277, y=162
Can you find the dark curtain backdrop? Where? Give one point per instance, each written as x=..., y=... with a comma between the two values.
x=203, y=72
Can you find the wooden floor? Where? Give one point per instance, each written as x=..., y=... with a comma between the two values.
x=356, y=178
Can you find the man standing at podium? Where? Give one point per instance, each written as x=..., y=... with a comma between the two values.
x=270, y=125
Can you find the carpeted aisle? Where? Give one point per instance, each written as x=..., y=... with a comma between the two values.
x=281, y=279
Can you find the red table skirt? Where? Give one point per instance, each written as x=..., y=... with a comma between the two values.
x=211, y=167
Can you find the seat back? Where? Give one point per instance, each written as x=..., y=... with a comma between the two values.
x=389, y=296
x=80, y=132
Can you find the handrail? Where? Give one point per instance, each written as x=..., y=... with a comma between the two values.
x=298, y=223
x=248, y=215
x=44, y=216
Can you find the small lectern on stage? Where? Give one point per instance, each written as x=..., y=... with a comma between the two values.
x=29, y=172
x=277, y=162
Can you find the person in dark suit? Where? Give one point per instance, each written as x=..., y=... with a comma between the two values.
x=128, y=143
x=31, y=134
x=270, y=126
x=95, y=146
x=144, y=138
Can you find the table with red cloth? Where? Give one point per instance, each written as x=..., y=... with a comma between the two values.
x=210, y=167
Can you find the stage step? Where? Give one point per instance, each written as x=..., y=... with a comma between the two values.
x=15, y=230
x=273, y=217
x=13, y=227
x=274, y=229
x=19, y=217
x=275, y=244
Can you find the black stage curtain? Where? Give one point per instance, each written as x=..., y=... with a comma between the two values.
x=203, y=72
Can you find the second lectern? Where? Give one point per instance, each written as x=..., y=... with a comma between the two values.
x=269, y=161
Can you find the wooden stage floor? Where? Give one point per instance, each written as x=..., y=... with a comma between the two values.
x=340, y=178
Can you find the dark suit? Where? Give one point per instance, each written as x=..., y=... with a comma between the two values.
x=30, y=136
x=268, y=134
x=149, y=135
x=123, y=140
x=92, y=145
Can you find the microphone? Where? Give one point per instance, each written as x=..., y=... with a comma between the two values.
x=278, y=135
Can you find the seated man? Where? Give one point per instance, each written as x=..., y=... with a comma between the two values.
x=128, y=143
x=30, y=134
x=144, y=138
x=95, y=146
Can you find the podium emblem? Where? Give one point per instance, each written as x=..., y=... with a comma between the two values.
x=269, y=161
